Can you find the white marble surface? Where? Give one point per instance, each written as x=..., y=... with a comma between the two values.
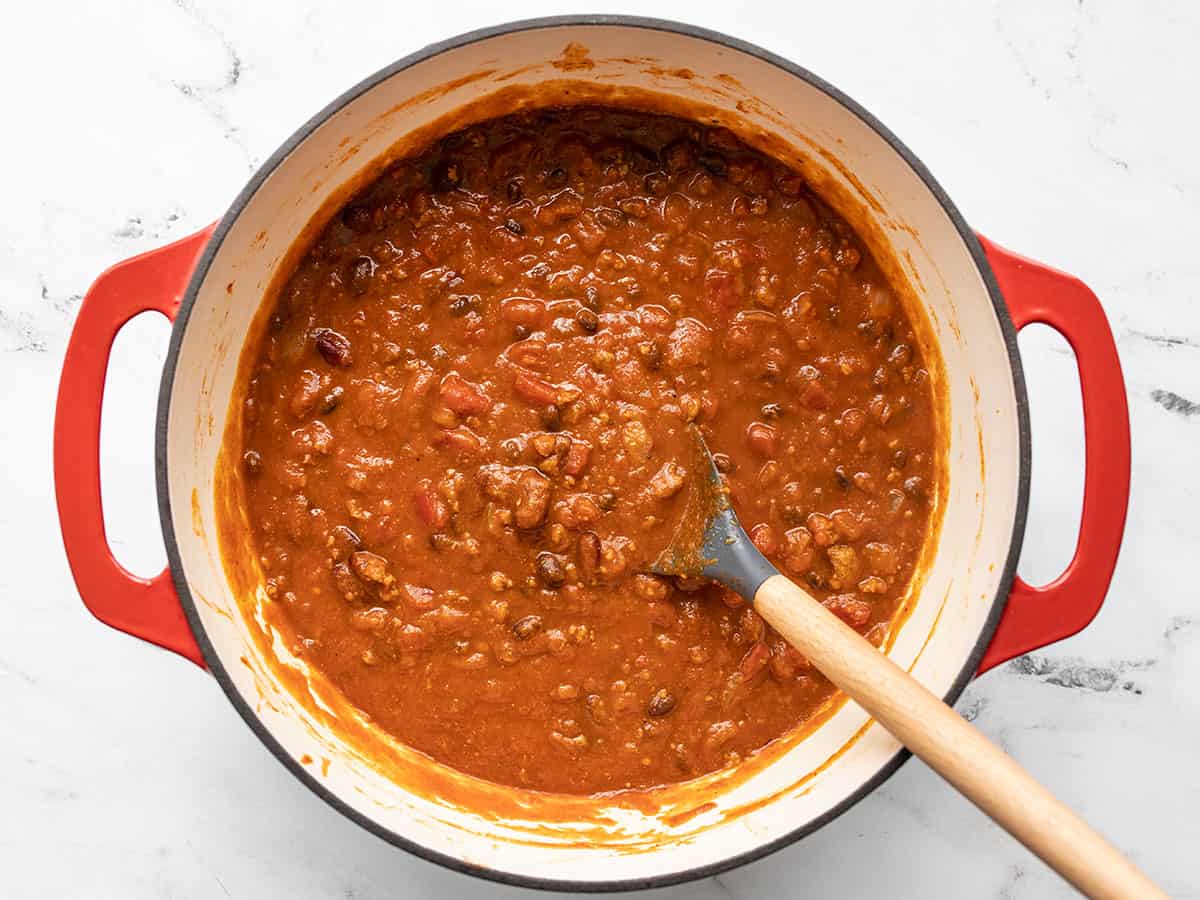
x=1061, y=128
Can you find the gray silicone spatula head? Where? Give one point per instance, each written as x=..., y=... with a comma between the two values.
x=709, y=541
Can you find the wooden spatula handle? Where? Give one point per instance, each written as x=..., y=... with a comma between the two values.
x=980, y=770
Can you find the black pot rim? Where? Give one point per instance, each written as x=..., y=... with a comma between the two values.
x=162, y=462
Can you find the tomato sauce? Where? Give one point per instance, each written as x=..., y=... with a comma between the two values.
x=465, y=439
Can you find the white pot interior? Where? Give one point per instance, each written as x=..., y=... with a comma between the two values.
x=901, y=218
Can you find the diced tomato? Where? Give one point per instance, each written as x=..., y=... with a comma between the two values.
x=578, y=455
x=430, y=507
x=464, y=397
x=534, y=390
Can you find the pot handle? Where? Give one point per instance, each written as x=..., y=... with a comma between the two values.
x=1038, y=616
x=146, y=608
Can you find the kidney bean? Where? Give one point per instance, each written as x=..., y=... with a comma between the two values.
x=550, y=570
x=523, y=311
x=762, y=439
x=333, y=347
x=587, y=555
x=460, y=440
x=526, y=627
x=661, y=704
x=430, y=507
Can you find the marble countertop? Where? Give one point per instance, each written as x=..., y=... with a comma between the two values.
x=1060, y=128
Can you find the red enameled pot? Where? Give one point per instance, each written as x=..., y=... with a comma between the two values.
x=972, y=612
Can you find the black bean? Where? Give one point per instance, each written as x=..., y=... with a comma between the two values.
x=514, y=191
x=551, y=417
x=252, y=460
x=792, y=515
x=607, y=500
x=662, y=703
x=915, y=486
x=520, y=332
x=514, y=226
x=588, y=320
x=447, y=175
x=333, y=346
x=331, y=400
x=550, y=570
x=591, y=298
x=642, y=158
x=900, y=458
x=526, y=627
x=556, y=178
x=842, y=477
x=359, y=273
x=358, y=217
x=679, y=155
x=715, y=163
x=461, y=304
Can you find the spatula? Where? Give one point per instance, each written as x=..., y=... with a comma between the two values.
x=710, y=543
